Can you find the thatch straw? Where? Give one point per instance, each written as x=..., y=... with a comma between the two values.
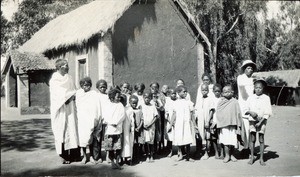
x=290, y=77
x=25, y=61
x=77, y=26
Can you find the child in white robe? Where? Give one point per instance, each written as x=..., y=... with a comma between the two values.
x=150, y=116
x=184, y=123
x=89, y=117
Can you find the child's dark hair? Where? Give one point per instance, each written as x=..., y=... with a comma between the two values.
x=123, y=99
x=170, y=89
x=207, y=75
x=229, y=85
x=156, y=83
x=133, y=97
x=112, y=93
x=87, y=80
x=217, y=86
x=180, y=88
x=148, y=93
x=101, y=81
x=121, y=85
x=141, y=85
x=181, y=81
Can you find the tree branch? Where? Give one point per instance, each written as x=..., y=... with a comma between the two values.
x=232, y=26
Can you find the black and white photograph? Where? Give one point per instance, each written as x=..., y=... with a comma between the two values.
x=143, y=88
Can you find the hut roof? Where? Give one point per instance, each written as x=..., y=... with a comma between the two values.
x=26, y=61
x=290, y=78
x=77, y=26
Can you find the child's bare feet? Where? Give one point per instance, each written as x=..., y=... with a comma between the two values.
x=84, y=160
x=190, y=160
x=151, y=160
x=221, y=157
x=226, y=159
x=99, y=161
x=205, y=157
x=180, y=158
x=217, y=156
x=262, y=163
x=92, y=160
x=170, y=154
x=251, y=161
x=233, y=159
x=148, y=160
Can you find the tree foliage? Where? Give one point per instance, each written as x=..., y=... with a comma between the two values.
x=231, y=31
x=5, y=34
x=32, y=15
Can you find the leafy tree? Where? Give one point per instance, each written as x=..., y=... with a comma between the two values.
x=32, y=15
x=231, y=31
x=5, y=35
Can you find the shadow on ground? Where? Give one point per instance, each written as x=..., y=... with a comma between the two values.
x=26, y=135
x=69, y=170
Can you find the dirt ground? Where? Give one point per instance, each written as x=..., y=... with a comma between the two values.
x=27, y=149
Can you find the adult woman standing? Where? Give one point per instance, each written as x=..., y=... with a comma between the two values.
x=63, y=115
x=245, y=89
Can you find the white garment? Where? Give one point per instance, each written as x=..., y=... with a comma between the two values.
x=63, y=116
x=89, y=116
x=228, y=136
x=245, y=89
x=149, y=113
x=104, y=100
x=203, y=108
x=169, y=111
x=128, y=133
x=114, y=116
x=261, y=105
x=183, y=129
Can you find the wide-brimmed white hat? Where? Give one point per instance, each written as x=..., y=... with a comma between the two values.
x=248, y=62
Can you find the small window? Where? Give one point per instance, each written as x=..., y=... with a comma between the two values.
x=81, y=68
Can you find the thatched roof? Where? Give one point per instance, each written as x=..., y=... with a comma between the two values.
x=23, y=62
x=289, y=78
x=77, y=26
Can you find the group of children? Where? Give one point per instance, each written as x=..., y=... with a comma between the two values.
x=137, y=124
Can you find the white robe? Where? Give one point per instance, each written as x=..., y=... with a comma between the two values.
x=89, y=116
x=245, y=89
x=169, y=110
x=183, y=129
x=128, y=133
x=63, y=116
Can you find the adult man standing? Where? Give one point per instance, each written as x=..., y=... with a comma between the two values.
x=63, y=114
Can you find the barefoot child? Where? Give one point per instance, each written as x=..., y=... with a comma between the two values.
x=217, y=89
x=114, y=121
x=138, y=119
x=229, y=122
x=128, y=134
x=183, y=109
x=169, y=107
x=259, y=110
x=89, y=118
x=150, y=116
x=101, y=85
x=154, y=88
x=205, y=110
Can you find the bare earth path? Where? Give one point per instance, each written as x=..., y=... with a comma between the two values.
x=27, y=149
